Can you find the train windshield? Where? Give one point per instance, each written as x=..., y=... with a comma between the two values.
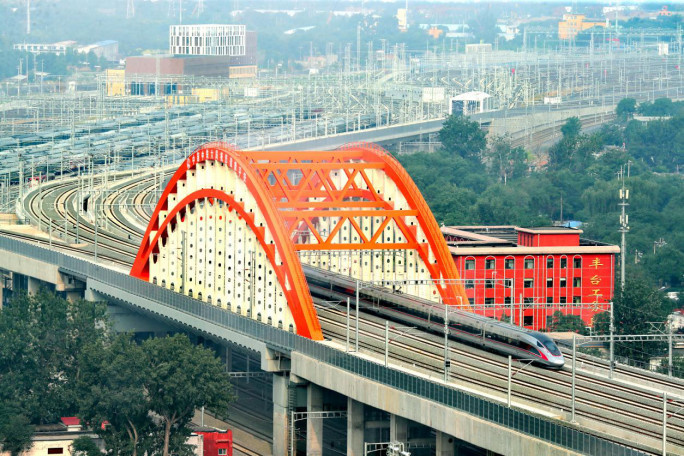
x=548, y=343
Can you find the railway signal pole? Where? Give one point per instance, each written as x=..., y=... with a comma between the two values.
x=624, y=227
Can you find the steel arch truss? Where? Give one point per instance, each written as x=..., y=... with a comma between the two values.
x=216, y=235
x=248, y=216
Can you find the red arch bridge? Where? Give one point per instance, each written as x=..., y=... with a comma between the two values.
x=233, y=228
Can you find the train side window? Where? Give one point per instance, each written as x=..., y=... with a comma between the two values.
x=530, y=349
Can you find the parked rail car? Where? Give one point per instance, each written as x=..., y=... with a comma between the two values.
x=468, y=327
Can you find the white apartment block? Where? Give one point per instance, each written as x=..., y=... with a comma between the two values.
x=207, y=39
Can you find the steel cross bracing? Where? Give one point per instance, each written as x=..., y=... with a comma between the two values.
x=239, y=217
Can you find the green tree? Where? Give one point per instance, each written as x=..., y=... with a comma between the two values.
x=505, y=161
x=15, y=430
x=571, y=128
x=85, y=446
x=114, y=390
x=42, y=338
x=463, y=137
x=182, y=378
x=635, y=309
x=626, y=108
x=562, y=322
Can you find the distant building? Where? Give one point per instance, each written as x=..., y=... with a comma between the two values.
x=478, y=48
x=573, y=24
x=549, y=268
x=208, y=39
x=205, y=50
x=58, y=439
x=108, y=49
x=59, y=48
x=402, y=19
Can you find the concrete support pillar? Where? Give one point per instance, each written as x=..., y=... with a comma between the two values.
x=398, y=429
x=33, y=285
x=281, y=434
x=228, y=359
x=355, y=427
x=74, y=295
x=445, y=444
x=93, y=296
x=314, y=426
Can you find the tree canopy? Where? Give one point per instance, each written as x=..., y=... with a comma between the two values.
x=59, y=358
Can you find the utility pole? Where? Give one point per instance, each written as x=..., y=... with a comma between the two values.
x=624, y=227
x=612, y=339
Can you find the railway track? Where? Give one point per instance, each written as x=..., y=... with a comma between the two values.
x=617, y=404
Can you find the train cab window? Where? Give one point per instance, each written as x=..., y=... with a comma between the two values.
x=529, y=263
x=509, y=263
x=469, y=265
x=548, y=343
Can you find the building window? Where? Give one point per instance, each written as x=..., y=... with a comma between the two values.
x=529, y=263
x=576, y=282
x=55, y=450
x=549, y=300
x=509, y=263
x=549, y=283
x=577, y=300
x=508, y=283
x=508, y=300
x=528, y=320
x=549, y=263
x=528, y=283
x=563, y=300
x=577, y=263
x=489, y=301
x=469, y=284
x=563, y=263
x=562, y=282
x=469, y=265
x=490, y=263
x=528, y=300
x=222, y=451
x=489, y=283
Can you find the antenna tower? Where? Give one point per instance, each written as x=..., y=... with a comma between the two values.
x=28, y=17
x=130, y=9
x=199, y=8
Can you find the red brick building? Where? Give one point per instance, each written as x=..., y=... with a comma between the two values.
x=547, y=269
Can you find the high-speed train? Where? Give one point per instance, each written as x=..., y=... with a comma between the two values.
x=465, y=326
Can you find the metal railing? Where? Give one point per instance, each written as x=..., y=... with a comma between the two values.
x=537, y=427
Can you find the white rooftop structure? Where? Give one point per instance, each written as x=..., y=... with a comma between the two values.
x=207, y=39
